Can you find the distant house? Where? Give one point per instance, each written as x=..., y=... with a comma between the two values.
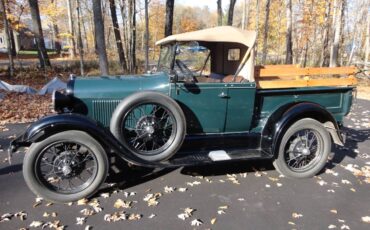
x=24, y=40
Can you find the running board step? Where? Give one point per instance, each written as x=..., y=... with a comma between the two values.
x=207, y=157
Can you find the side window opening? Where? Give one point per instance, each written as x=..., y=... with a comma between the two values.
x=233, y=55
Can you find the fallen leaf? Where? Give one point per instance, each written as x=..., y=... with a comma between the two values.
x=21, y=215
x=345, y=227
x=122, y=204
x=182, y=189
x=334, y=211
x=291, y=223
x=36, y=224
x=151, y=216
x=279, y=184
x=366, y=219
x=169, y=189
x=88, y=227
x=80, y=220
x=196, y=222
x=183, y=216
x=87, y=212
x=322, y=182
x=220, y=212
x=83, y=201
x=268, y=186
x=134, y=216
x=296, y=215
x=332, y=226
x=5, y=217
x=213, y=221
x=105, y=195
x=346, y=182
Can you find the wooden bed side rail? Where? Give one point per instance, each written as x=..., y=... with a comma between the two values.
x=294, y=71
x=306, y=82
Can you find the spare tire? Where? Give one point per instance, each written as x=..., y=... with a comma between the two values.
x=149, y=124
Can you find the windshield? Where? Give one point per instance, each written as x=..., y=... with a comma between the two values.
x=166, y=58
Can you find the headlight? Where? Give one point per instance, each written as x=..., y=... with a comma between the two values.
x=61, y=102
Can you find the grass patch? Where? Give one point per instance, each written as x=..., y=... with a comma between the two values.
x=34, y=52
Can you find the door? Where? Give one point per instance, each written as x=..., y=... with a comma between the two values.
x=240, y=107
x=204, y=105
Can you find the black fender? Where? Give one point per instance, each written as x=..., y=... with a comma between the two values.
x=284, y=117
x=50, y=125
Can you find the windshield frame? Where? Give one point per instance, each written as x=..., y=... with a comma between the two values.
x=171, y=52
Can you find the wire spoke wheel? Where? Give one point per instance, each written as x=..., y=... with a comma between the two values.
x=303, y=150
x=149, y=129
x=66, y=167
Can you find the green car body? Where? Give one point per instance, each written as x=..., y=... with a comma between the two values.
x=242, y=109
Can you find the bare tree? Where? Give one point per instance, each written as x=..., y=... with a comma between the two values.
x=72, y=49
x=367, y=49
x=132, y=34
x=79, y=39
x=334, y=52
x=7, y=38
x=230, y=15
x=266, y=30
x=289, y=42
x=117, y=35
x=245, y=17
x=146, y=35
x=219, y=12
x=99, y=37
x=169, y=17
x=325, y=53
x=37, y=31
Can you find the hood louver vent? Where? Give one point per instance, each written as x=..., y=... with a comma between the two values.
x=103, y=110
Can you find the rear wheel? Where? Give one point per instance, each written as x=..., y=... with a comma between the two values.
x=303, y=150
x=65, y=167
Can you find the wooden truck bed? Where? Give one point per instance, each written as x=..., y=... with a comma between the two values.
x=292, y=76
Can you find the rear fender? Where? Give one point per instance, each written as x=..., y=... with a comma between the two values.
x=50, y=125
x=283, y=118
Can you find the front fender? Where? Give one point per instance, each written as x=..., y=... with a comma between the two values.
x=280, y=121
x=50, y=125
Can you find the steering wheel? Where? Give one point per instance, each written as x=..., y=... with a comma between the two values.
x=185, y=70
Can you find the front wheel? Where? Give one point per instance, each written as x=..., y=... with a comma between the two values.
x=65, y=167
x=303, y=150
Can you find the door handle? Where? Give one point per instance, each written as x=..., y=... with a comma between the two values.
x=223, y=95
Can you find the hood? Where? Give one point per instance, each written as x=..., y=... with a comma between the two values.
x=117, y=87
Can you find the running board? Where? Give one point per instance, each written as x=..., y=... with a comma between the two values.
x=208, y=157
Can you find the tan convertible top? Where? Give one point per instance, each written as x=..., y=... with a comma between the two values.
x=216, y=34
x=223, y=35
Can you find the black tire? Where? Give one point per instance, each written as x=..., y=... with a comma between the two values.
x=311, y=149
x=43, y=188
x=178, y=128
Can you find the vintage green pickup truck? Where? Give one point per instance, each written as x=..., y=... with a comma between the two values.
x=206, y=102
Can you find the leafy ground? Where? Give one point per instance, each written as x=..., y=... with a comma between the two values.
x=243, y=195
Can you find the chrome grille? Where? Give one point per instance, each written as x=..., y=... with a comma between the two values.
x=103, y=110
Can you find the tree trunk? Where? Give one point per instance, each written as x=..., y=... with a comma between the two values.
x=266, y=30
x=132, y=34
x=367, y=51
x=230, y=15
x=245, y=19
x=79, y=39
x=99, y=37
x=219, y=12
x=289, y=42
x=169, y=17
x=334, y=53
x=72, y=49
x=146, y=35
x=7, y=38
x=325, y=53
x=117, y=35
x=37, y=31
